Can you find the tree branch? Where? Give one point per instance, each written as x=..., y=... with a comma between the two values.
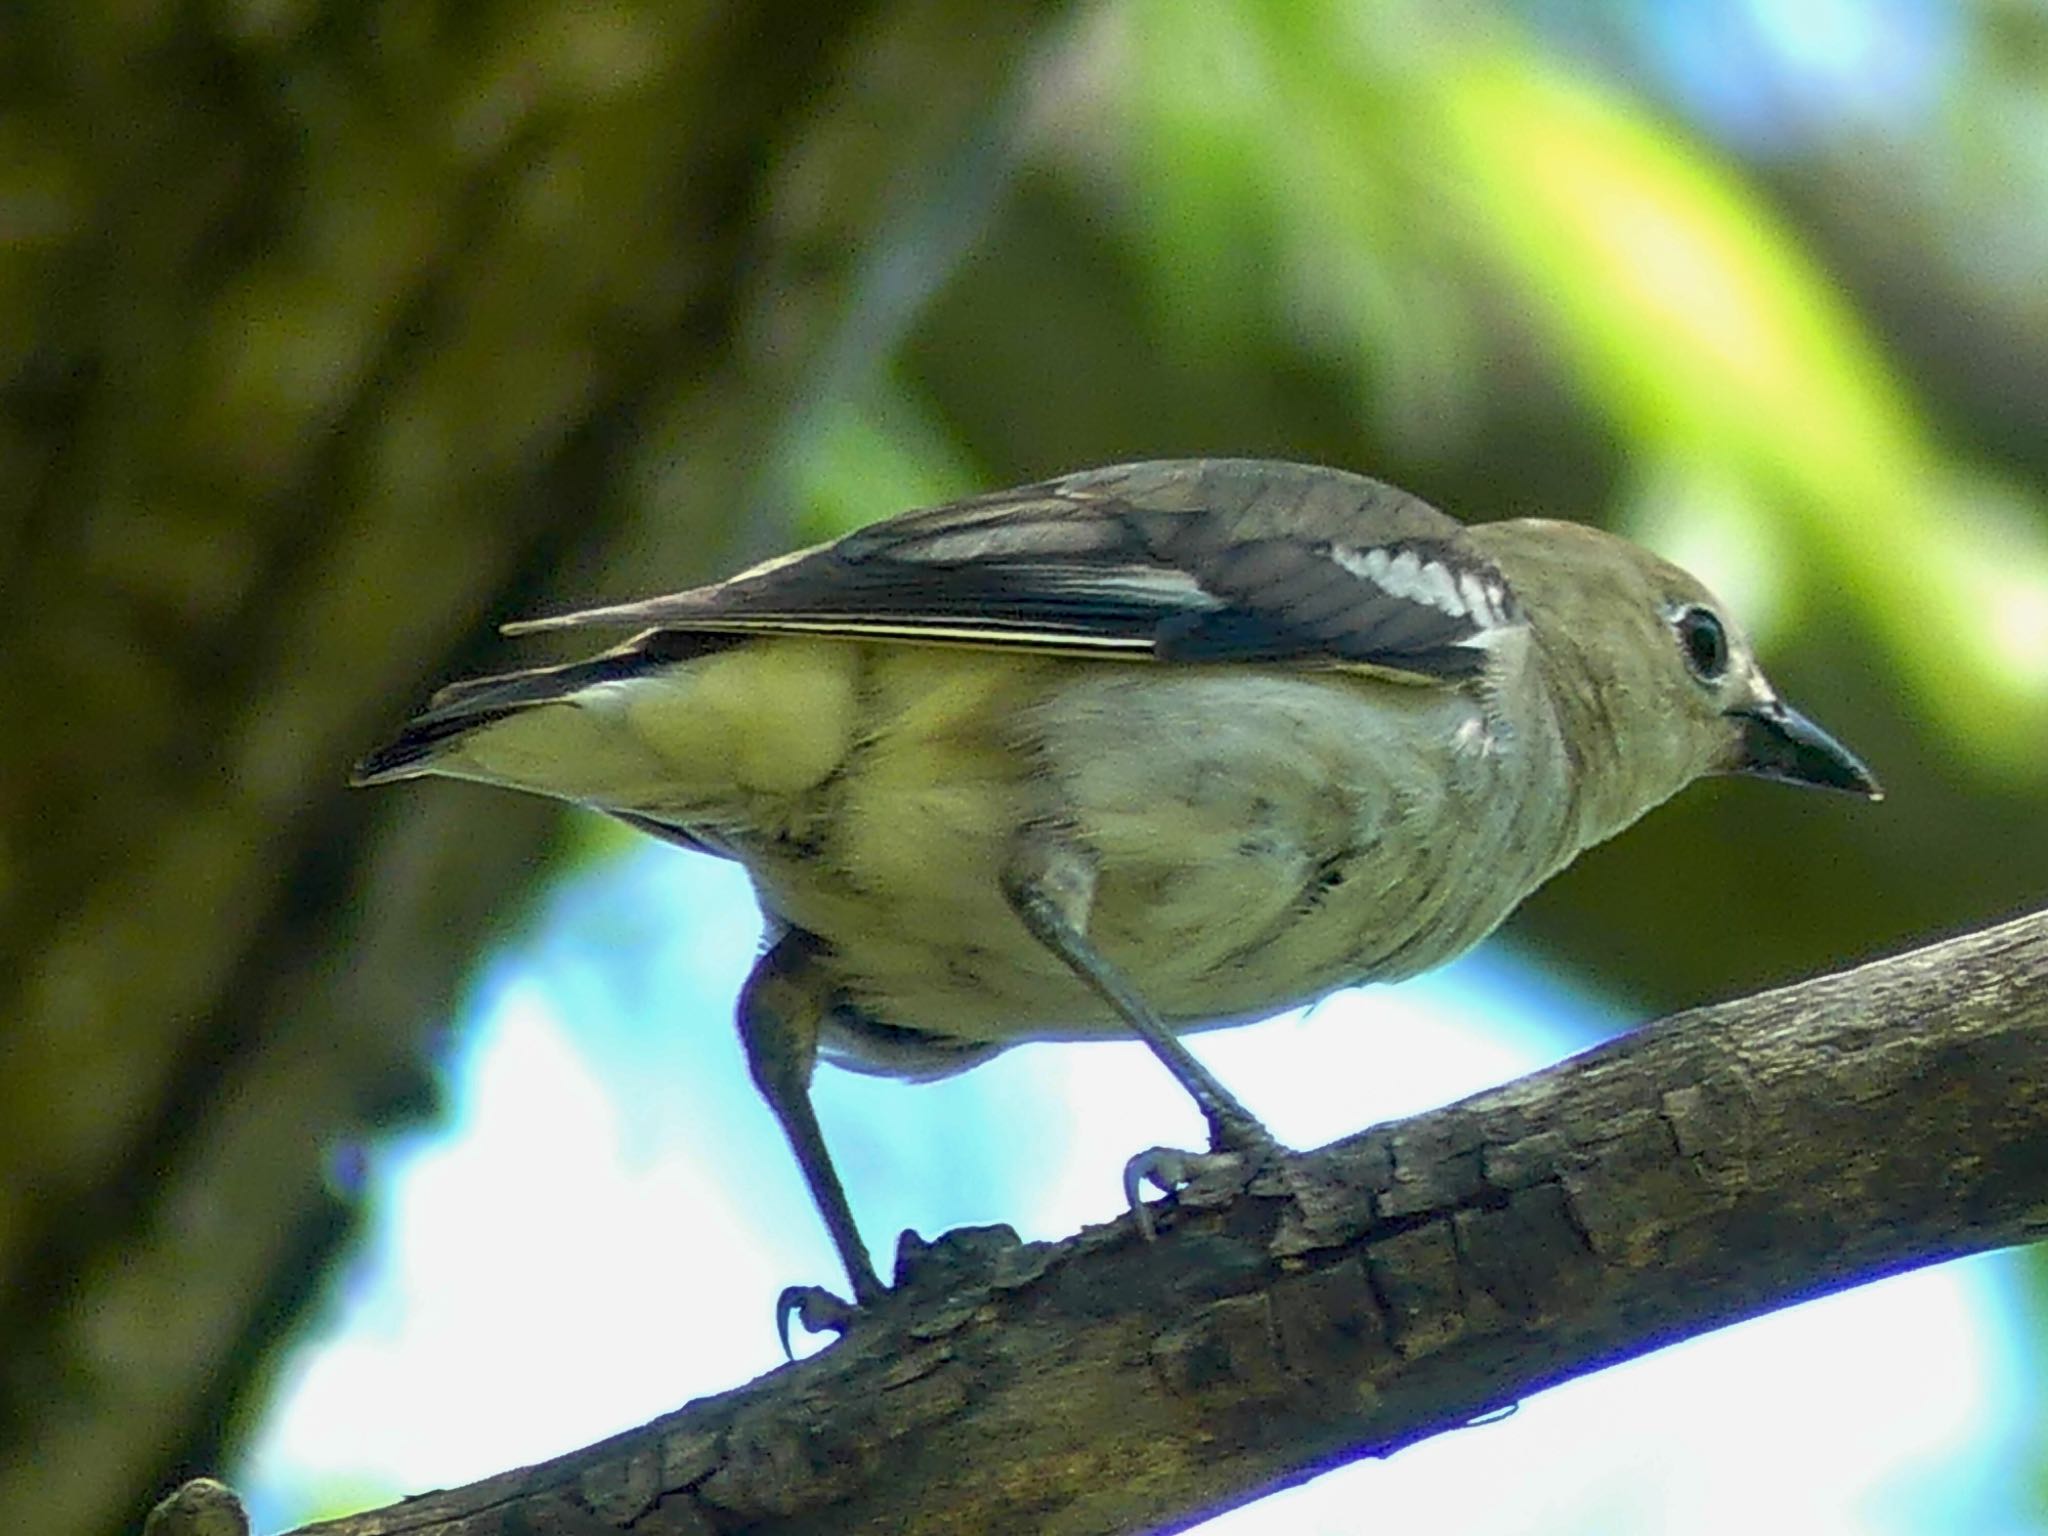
x=1715, y=1165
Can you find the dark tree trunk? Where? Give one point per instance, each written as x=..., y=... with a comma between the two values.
x=331, y=346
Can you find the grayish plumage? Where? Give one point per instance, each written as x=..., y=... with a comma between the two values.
x=1150, y=748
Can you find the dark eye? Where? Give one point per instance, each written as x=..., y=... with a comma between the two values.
x=1705, y=642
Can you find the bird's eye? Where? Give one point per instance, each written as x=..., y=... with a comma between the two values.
x=1705, y=642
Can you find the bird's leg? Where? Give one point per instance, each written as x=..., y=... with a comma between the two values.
x=781, y=1009
x=1050, y=884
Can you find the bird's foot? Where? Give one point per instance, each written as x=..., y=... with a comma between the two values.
x=816, y=1309
x=966, y=1262
x=1240, y=1149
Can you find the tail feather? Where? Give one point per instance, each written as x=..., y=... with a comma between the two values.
x=413, y=750
x=462, y=707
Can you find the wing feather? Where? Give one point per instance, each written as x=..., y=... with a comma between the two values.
x=1182, y=561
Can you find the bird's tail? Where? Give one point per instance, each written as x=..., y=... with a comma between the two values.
x=670, y=724
x=460, y=709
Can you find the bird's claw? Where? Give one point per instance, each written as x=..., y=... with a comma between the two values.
x=1242, y=1146
x=817, y=1309
x=1165, y=1168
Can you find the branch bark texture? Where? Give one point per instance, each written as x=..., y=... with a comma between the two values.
x=1715, y=1165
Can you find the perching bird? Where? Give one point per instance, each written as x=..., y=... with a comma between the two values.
x=1140, y=750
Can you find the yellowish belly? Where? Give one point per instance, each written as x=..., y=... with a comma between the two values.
x=1258, y=841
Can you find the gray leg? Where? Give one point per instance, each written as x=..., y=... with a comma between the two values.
x=1051, y=885
x=781, y=1008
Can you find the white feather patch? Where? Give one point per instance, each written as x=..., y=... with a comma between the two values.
x=1429, y=582
x=1478, y=601
x=1477, y=596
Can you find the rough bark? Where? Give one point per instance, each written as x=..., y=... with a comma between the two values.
x=1388, y=1287
x=339, y=337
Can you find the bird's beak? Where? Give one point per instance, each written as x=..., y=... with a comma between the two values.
x=1780, y=743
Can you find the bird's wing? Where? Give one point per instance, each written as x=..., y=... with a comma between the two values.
x=1180, y=561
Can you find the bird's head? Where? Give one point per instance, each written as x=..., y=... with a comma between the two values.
x=1655, y=675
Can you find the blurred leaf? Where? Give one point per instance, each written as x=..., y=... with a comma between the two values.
x=1277, y=194
x=873, y=456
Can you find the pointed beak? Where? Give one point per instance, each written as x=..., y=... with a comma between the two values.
x=1780, y=743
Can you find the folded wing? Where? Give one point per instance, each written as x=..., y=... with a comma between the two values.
x=1178, y=561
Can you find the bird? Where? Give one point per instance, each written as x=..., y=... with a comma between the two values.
x=1140, y=750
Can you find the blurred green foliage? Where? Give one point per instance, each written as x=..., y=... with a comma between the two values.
x=1406, y=177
